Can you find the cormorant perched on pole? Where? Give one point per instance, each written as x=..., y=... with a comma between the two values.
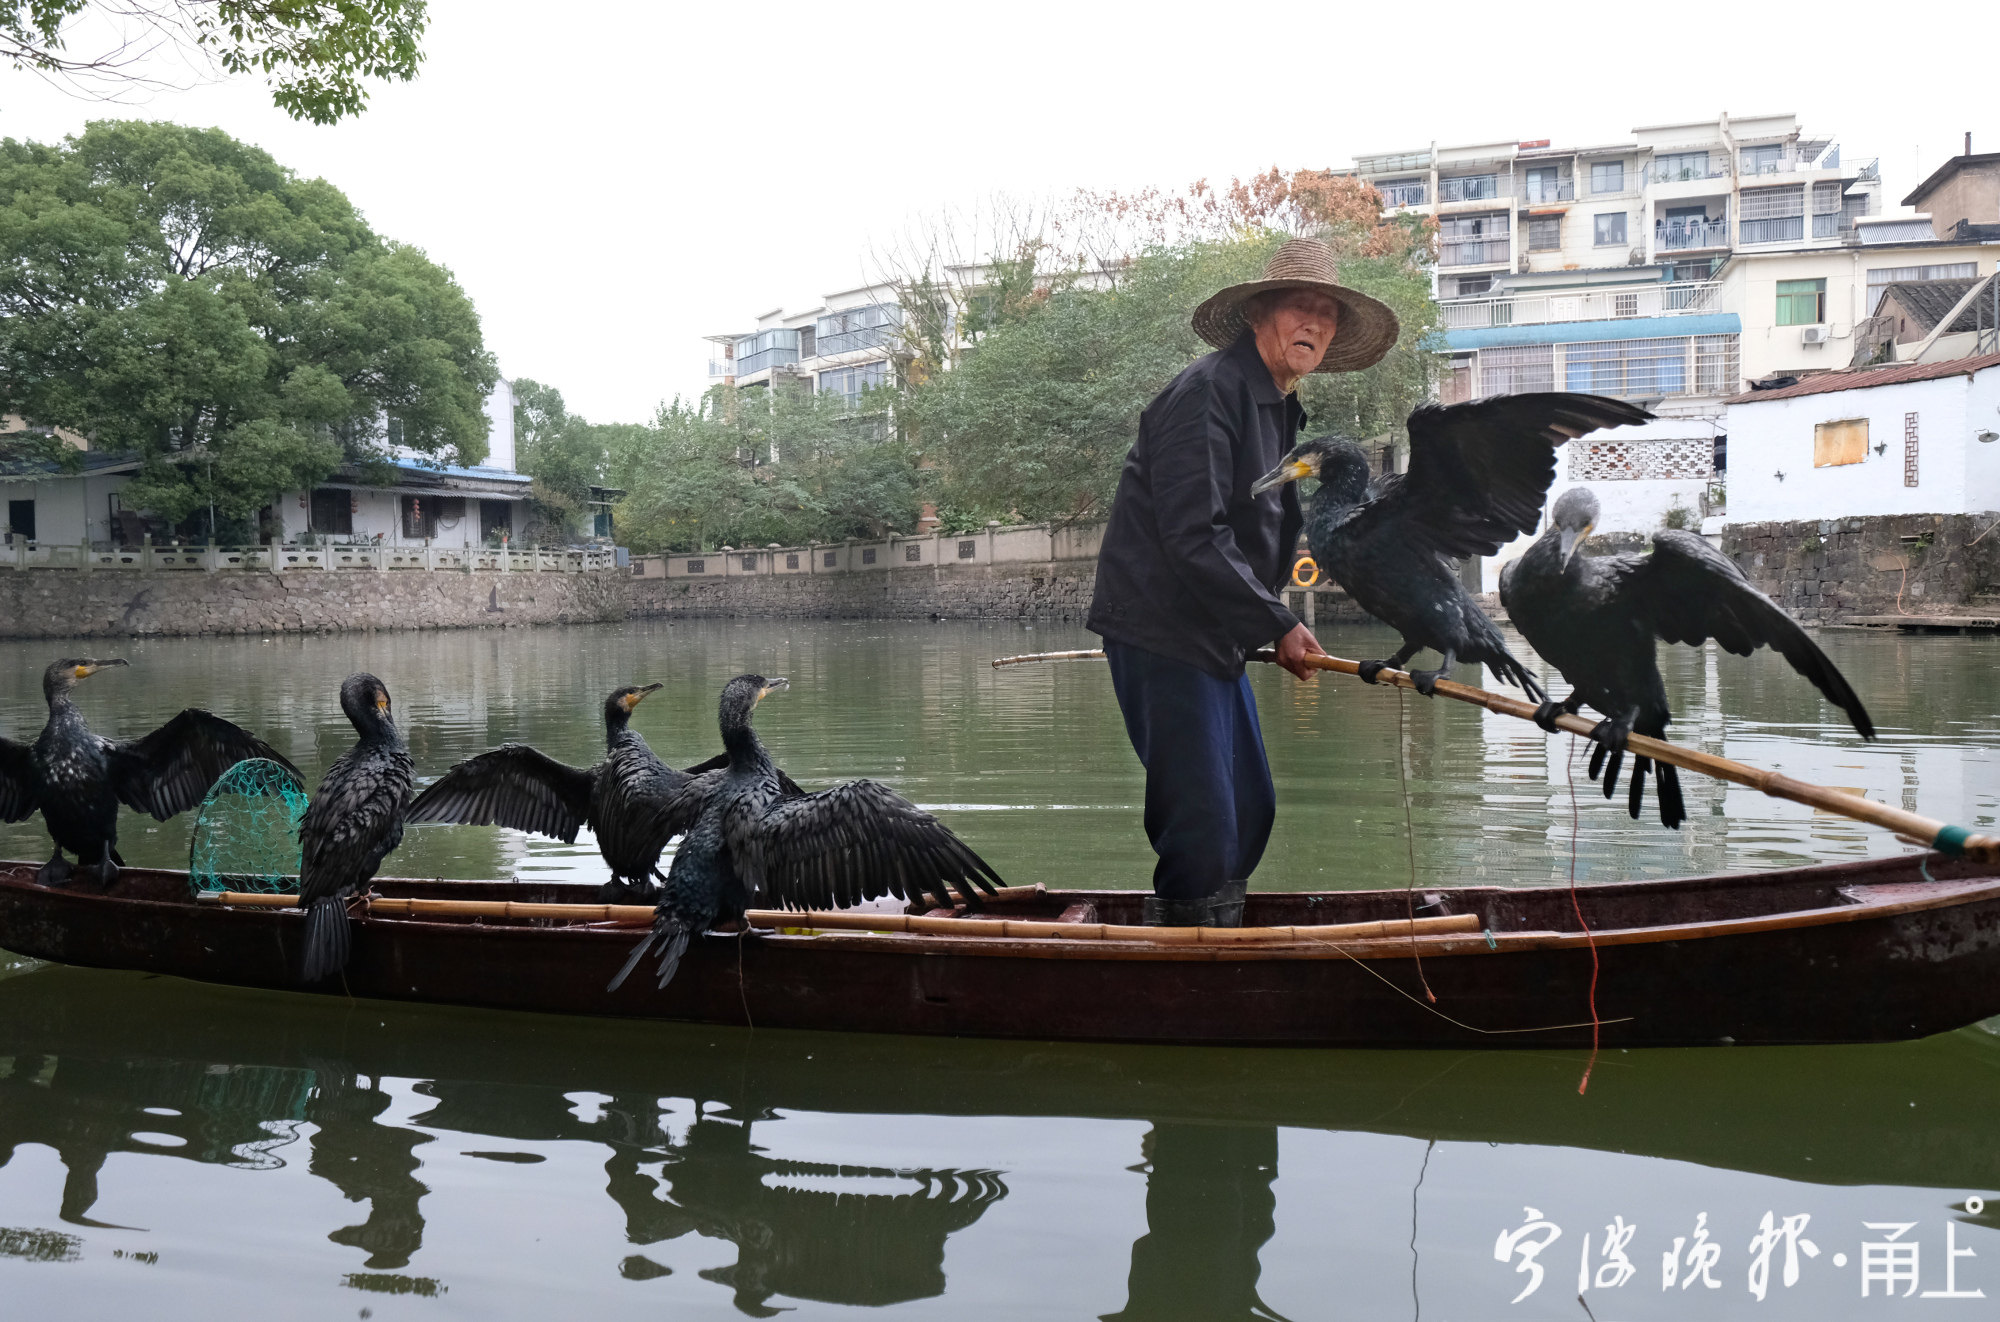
x=631, y=801
x=1595, y=619
x=352, y=823
x=751, y=844
x=1477, y=476
x=77, y=779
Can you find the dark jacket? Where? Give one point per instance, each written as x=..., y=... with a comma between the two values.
x=1192, y=562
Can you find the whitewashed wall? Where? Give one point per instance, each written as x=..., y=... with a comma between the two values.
x=500, y=438
x=1956, y=473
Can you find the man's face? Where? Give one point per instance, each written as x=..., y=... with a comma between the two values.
x=1297, y=329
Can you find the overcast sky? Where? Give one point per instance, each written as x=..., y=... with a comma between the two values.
x=612, y=181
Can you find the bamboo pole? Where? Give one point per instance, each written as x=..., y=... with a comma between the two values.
x=641, y=915
x=1941, y=836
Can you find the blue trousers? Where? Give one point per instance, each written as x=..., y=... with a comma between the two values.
x=1209, y=799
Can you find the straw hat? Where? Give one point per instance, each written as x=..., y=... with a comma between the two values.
x=1367, y=327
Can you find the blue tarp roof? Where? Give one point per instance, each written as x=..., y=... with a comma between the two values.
x=1574, y=332
x=482, y=473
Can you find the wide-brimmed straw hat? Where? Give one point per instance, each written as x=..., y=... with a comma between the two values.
x=1367, y=328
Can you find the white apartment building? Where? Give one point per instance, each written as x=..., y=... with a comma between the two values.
x=843, y=346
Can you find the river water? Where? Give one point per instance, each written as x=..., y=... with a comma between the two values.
x=170, y=1150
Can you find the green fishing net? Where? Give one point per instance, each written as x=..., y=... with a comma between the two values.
x=246, y=835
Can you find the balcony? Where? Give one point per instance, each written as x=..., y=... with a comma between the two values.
x=1535, y=192
x=851, y=341
x=1773, y=229
x=719, y=368
x=1614, y=304
x=1689, y=235
x=1475, y=187
x=1683, y=171
x=1473, y=252
x=751, y=364
x=1402, y=194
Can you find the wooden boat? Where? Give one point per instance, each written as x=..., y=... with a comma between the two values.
x=1875, y=950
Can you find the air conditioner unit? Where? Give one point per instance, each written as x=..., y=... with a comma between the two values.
x=1813, y=335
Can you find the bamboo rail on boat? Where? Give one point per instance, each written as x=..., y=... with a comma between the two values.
x=1926, y=831
x=792, y=920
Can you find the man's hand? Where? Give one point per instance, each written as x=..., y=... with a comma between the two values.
x=1295, y=647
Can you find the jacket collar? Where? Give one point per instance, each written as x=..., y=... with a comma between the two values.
x=1248, y=361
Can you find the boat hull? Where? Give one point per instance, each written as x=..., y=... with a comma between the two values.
x=1847, y=953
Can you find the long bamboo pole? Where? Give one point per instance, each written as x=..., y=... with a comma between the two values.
x=641, y=915
x=1941, y=836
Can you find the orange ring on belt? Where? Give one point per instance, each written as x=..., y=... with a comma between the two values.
x=1305, y=566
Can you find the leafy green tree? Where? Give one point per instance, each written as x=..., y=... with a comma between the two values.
x=178, y=293
x=316, y=55
x=560, y=450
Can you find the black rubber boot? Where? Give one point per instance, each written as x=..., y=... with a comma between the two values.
x=1162, y=912
x=1225, y=907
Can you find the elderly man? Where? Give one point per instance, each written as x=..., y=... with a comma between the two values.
x=1192, y=563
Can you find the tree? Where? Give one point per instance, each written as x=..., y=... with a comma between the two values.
x=178, y=293
x=316, y=55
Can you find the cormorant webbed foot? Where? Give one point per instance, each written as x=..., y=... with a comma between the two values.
x=1425, y=681
x=55, y=872
x=1545, y=716
x=625, y=890
x=1609, y=755
x=1369, y=670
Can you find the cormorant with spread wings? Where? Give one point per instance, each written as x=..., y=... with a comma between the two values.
x=77, y=779
x=1595, y=619
x=632, y=801
x=752, y=844
x=1477, y=477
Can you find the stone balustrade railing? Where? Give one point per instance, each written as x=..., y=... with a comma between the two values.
x=993, y=545
x=22, y=555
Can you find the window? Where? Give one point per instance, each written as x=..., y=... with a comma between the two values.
x=1473, y=240
x=771, y=348
x=1608, y=230
x=1607, y=177
x=749, y=563
x=868, y=555
x=1715, y=366
x=858, y=328
x=1471, y=286
x=791, y=562
x=1625, y=305
x=913, y=553
x=1545, y=185
x=1401, y=192
x=420, y=517
x=832, y=559
x=1681, y=165
x=1545, y=233
x=1882, y=277
x=496, y=519
x=967, y=549
x=1772, y=215
x=1627, y=367
x=850, y=382
x=395, y=431
x=1838, y=443
x=1801, y=302
x=697, y=566
x=1469, y=188
x=1518, y=368
x=1826, y=209
x=21, y=518
x=1762, y=160
x=332, y=511
x=1910, y=450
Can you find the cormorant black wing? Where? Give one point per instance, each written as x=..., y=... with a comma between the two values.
x=170, y=770
x=854, y=842
x=1689, y=592
x=1479, y=472
x=353, y=821
x=18, y=799
x=514, y=785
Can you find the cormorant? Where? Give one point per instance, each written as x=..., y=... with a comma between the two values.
x=77, y=779
x=1477, y=476
x=1595, y=619
x=631, y=801
x=839, y=846
x=354, y=820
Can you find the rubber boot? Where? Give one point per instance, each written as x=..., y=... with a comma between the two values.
x=1162, y=912
x=1226, y=905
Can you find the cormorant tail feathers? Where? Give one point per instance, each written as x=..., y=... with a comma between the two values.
x=670, y=937
x=328, y=939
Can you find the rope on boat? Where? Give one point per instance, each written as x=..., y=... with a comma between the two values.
x=1955, y=841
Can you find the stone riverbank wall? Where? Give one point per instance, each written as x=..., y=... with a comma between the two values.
x=55, y=603
x=1825, y=570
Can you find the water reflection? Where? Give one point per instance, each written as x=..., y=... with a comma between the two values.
x=413, y=1151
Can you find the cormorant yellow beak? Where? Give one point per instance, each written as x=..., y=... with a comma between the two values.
x=638, y=696
x=772, y=686
x=1572, y=540
x=92, y=667
x=1289, y=471
x=381, y=702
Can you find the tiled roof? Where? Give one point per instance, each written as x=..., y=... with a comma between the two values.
x=1927, y=301
x=1861, y=378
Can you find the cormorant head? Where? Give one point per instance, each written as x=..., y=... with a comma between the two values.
x=619, y=706
x=741, y=695
x=365, y=699
x=62, y=676
x=1338, y=463
x=1573, y=516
